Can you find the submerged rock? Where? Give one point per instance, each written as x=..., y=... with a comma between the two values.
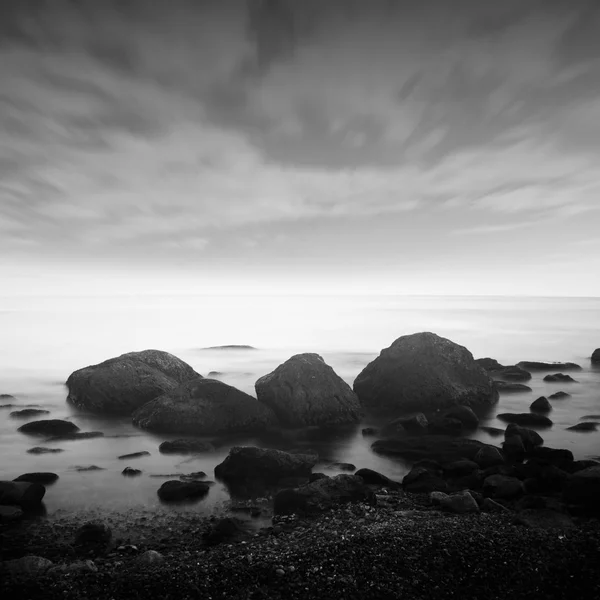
x=93, y=533
x=527, y=419
x=502, y=487
x=185, y=446
x=531, y=439
x=560, y=377
x=130, y=472
x=371, y=477
x=548, y=366
x=423, y=372
x=587, y=426
x=509, y=387
x=78, y=435
x=464, y=414
x=49, y=427
x=596, y=356
x=416, y=424
x=122, y=384
x=176, y=490
x=10, y=514
x=306, y=391
x=559, y=396
x=28, y=412
x=134, y=455
x=42, y=450
x=512, y=373
x=541, y=405
x=21, y=493
x=43, y=478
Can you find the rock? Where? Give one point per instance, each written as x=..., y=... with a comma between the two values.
x=502, y=487
x=27, y=565
x=488, y=456
x=323, y=494
x=43, y=478
x=367, y=431
x=173, y=491
x=193, y=476
x=583, y=488
x=460, y=503
x=512, y=373
x=28, y=412
x=541, y=405
x=93, y=533
x=213, y=374
x=305, y=391
x=527, y=419
x=548, y=366
x=316, y=477
x=421, y=480
x=231, y=347
x=559, y=396
x=150, y=557
x=423, y=372
x=21, y=493
x=587, y=426
x=596, y=356
x=513, y=448
x=185, y=446
x=460, y=468
x=204, y=407
x=371, y=477
x=129, y=472
x=416, y=424
x=134, y=455
x=491, y=506
x=506, y=387
x=79, y=435
x=122, y=384
x=80, y=566
x=6, y=397
x=226, y=529
x=9, y=514
x=531, y=439
x=87, y=468
x=559, y=377
x=543, y=519
x=489, y=364
x=436, y=447
x=494, y=431
x=340, y=466
x=464, y=414
x=555, y=456
x=436, y=498
x=267, y=466
x=42, y=450
x=49, y=427
x=585, y=417
x=445, y=426
x=579, y=465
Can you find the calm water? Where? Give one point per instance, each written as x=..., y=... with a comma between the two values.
x=45, y=339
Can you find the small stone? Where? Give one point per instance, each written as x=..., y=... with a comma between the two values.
x=280, y=572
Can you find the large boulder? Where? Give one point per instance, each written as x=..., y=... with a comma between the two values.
x=267, y=466
x=204, y=407
x=596, y=356
x=305, y=391
x=185, y=446
x=175, y=491
x=510, y=387
x=541, y=405
x=423, y=372
x=583, y=488
x=49, y=427
x=21, y=493
x=527, y=419
x=531, y=439
x=532, y=365
x=122, y=384
x=323, y=494
x=498, y=371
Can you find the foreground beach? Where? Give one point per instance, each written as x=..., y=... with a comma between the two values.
x=400, y=548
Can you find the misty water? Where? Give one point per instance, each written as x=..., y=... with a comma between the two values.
x=45, y=339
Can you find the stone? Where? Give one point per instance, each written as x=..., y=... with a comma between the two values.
x=28, y=412
x=175, y=490
x=488, y=456
x=416, y=424
x=123, y=384
x=21, y=493
x=340, y=466
x=511, y=373
x=526, y=419
x=596, y=356
x=513, y=448
x=559, y=377
x=48, y=427
x=493, y=431
x=460, y=468
x=205, y=407
x=368, y=431
x=185, y=446
x=371, y=477
x=9, y=514
x=502, y=487
x=79, y=566
x=43, y=478
x=129, y=472
x=586, y=426
x=489, y=364
x=583, y=488
x=42, y=450
x=541, y=405
x=531, y=439
x=83, y=469
x=134, y=455
x=556, y=456
x=509, y=387
x=93, y=533
x=305, y=391
x=460, y=503
x=543, y=519
x=224, y=530
x=559, y=396
x=423, y=372
x=420, y=480
x=548, y=366
x=464, y=414
x=78, y=435
x=445, y=426
x=491, y=506
x=27, y=565
x=150, y=557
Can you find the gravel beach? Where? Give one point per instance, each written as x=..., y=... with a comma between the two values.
x=401, y=548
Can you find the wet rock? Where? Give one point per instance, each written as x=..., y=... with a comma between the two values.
x=175, y=490
x=559, y=396
x=82, y=469
x=587, y=426
x=491, y=506
x=42, y=450
x=368, y=431
x=150, y=557
x=502, y=487
x=205, y=407
x=341, y=466
x=215, y=374
x=422, y=480
x=445, y=426
x=460, y=503
x=28, y=412
x=526, y=419
x=556, y=456
x=548, y=366
x=49, y=427
x=305, y=391
x=80, y=566
x=371, y=477
x=9, y=514
x=460, y=468
x=21, y=493
x=27, y=565
x=544, y=519
x=509, y=387
x=511, y=373
x=134, y=455
x=43, y=478
x=423, y=372
x=596, y=356
x=129, y=472
x=514, y=449
x=559, y=377
x=122, y=384
x=6, y=397
x=93, y=533
x=78, y=435
x=489, y=364
x=316, y=477
x=531, y=439
x=225, y=530
x=186, y=446
x=488, y=456
x=541, y=405
x=416, y=424
x=584, y=488
x=464, y=414
x=494, y=431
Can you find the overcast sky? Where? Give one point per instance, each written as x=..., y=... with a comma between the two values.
x=423, y=147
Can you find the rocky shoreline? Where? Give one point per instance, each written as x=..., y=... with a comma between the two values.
x=402, y=547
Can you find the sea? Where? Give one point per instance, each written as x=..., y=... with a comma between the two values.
x=44, y=339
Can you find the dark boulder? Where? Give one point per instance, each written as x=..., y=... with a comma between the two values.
x=305, y=391
x=488, y=456
x=21, y=493
x=489, y=364
x=28, y=412
x=43, y=478
x=445, y=426
x=502, y=487
x=224, y=530
x=49, y=427
x=367, y=431
x=493, y=431
x=92, y=533
x=559, y=377
x=596, y=356
x=557, y=456
x=130, y=472
x=316, y=477
x=423, y=480
x=10, y=514
x=416, y=424
x=541, y=405
x=460, y=468
x=559, y=396
x=530, y=438
x=460, y=503
x=371, y=477
x=583, y=488
x=526, y=419
x=464, y=414
x=204, y=407
x=77, y=435
x=548, y=366
x=509, y=387
x=587, y=426
x=423, y=372
x=512, y=373
x=42, y=450
x=340, y=466
x=185, y=446
x=247, y=463
x=175, y=490
x=322, y=495
x=122, y=384
x=134, y=455
x=513, y=449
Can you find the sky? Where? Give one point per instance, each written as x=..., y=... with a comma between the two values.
x=287, y=146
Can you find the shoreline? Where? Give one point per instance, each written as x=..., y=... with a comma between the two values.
x=400, y=548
